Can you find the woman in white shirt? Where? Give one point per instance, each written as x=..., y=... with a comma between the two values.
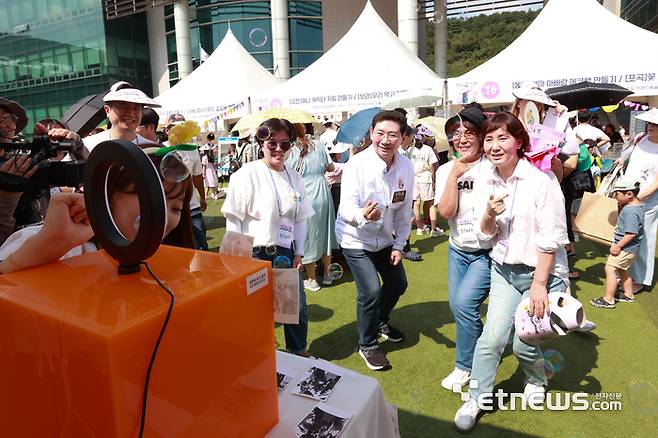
x=525, y=221
x=266, y=199
x=643, y=167
x=458, y=193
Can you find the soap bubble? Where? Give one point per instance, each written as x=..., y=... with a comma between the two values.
x=643, y=397
x=257, y=37
x=281, y=262
x=555, y=358
x=174, y=167
x=270, y=250
x=544, y=366
x=335, y=271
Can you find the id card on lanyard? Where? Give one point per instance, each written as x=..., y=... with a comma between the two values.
x=285, y=232
x=499, y=251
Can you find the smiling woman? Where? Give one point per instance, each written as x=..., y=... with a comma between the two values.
x=267, y=200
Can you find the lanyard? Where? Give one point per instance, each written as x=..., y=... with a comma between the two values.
x=276, y=192
x=479, y=164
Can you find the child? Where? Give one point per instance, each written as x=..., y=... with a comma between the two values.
x=628, y=234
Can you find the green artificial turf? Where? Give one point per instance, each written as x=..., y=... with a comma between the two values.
x=620, y=356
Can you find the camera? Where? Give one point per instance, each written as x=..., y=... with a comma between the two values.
x=49, y=173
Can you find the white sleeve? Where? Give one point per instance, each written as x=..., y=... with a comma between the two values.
x=233, y=224
x=350, y=209
x=299, y=237
x=402, y=215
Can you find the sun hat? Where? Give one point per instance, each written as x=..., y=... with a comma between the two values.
x=625, y=184
x=564, y=315
x=16, y=110
x=531, y=91
x=650, y=116
x=123, y=91
x=337, y=148
x=472, y=114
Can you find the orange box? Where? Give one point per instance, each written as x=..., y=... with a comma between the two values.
x=76, y=339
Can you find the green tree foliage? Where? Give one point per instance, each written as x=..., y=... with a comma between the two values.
x=474, y=40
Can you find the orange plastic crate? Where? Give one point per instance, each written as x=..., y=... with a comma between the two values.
x=76, y=338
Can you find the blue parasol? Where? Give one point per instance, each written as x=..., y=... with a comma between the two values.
x=356, y=127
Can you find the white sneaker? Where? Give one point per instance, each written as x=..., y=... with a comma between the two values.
x=456, y=377
x=311, y=285
x=467, y=415
x=420, y=231
x=586, y=326
x=437, y=232
x=536, y=393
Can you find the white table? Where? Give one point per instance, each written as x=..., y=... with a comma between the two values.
x=372, y=416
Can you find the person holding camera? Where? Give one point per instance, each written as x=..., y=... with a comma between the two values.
x=17, y=168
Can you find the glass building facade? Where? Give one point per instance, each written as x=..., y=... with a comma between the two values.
x=54, y=52
x=250, y=21
x=643, y=13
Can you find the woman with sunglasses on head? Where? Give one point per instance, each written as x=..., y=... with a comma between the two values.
x=311, y=162
x=266, y=200
x=66, y=231
x=459, y=185
x=525, y=221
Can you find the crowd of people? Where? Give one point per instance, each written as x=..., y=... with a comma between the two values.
x=305, y=200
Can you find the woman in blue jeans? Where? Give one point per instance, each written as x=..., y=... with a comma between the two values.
x=266, y=200
x=458, y=184
x=525, y=221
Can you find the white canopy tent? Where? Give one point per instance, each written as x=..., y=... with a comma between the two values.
x=367, y=67
x=222, y=84
x=554, y=51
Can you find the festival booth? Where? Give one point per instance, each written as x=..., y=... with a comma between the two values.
x=560, y=47
x=366, y=68
x=219, y=88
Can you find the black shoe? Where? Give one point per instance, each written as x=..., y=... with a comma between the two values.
x=601, y=303
x=621, y=298
x=375, y=358
x=390, y=333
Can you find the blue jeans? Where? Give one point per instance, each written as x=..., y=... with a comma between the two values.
x=509, y=285
x=295, y=334
x=374, y=302
x=469, y=278
x=198, y=230
x=642, y=268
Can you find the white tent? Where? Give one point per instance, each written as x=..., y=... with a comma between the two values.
x=222, y=84
x=570, y=41
x=368, y=66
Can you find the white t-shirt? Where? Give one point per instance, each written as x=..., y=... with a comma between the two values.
x=259, y=198
x=472, y=201
x=193, y=163
x=94, y=140
x=423, y=159
x=643, y=164
x=17, y=240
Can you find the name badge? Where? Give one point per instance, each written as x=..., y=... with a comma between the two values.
x=466, y=231
x=498, y=252
x=284, y=237
x=399, y=196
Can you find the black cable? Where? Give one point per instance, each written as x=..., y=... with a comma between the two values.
x=142, y=421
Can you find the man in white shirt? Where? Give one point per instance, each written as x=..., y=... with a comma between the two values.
x=123, y=105
x=374, y=221
x=585, y=131
x=148, y=126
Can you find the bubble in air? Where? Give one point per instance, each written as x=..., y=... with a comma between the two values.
x=555, y=358
x=257, y=37
x=335, y=271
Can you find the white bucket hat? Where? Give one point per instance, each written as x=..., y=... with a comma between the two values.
x=337, y=148
x=650, y=116
x=531, y=91
x=129, y=94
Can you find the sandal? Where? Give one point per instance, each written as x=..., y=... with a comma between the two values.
x=413, y=256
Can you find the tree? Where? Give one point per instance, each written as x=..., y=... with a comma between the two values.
x=474, y=40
